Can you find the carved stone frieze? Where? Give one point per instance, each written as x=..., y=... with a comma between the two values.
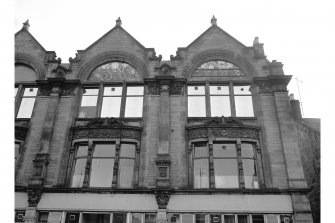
x=162, y=198
x=227, y=132
x=270, y=84
x=175, y=87
x=34, y=196
x=63, y=91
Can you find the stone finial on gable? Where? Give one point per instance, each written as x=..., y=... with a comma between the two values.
x=213, y=21
x=256, y=41
x=26, y=25
x=118, y=22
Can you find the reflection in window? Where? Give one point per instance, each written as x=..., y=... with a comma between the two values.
x=27, y=103
x=126, y=165
x=102, y=165
x=90, y=217
x=220, y=101
x=80, y=164
x=134, y=101
x=243, y=219
x=243, y=101
x=229, y=218
x=88, y=105
x=150, y=218
x=196, y=101
x=257, y=218
x=201, y=166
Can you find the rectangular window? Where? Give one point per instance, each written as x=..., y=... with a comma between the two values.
x=243, y=101
x=225, y=165
x=43, y=217
x=149, y=218
x=27, y=102
x=79, y=166
x=257, y=218
x=220, y=101
x=88, y=107
x=229, y=218
x=19, y=216
x=136, y=217
x=231, y=162
x=102, y=165
x=201, y=166
x=126, y=165
x=112, y=101
x=243, y=219
x=196, y=101
x=187, y=218
x=224, y=100
x=134, y=101
x=72, y=217
x=174, y=218
x=90, y=217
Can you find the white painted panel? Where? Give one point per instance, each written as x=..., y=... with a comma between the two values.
x=21, y=200
x=231, y=203
x=98, y=202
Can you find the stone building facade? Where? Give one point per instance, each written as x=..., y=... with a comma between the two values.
x=120, y=135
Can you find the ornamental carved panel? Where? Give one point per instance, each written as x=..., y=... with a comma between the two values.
x=34, y=196
x=162, y=198
x=63, y=91
x=204, y=132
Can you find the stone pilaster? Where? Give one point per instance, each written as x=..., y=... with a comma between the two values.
x=30, y=215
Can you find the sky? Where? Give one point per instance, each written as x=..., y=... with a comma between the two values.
x=300, y=34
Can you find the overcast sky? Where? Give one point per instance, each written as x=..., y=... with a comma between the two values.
x=295, y=33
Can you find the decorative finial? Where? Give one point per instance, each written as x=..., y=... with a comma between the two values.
x=26, y=25
x=213, y=20
x=256, y=40
x=118, y=22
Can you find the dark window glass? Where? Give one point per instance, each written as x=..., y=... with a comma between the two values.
x=150, y=218
x=173, y=218
x=19, y=216
x=286, y=219
x=243, y=219
x=229, y=218
x=43, y=217
x=99, y=218
x=215, y=218
x=136, y=218
x=257, y=219
x=72, y=217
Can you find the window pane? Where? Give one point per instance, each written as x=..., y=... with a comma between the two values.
x=257, y=219
x=104, y=150
x=17, y=151
x=247, y=150
x=126, y=171
x=196, y=106
x=187, y=218
x=110, y=107
x=243, y=219
x=250, y=173
x=112, y=91
x=201, y=151
x=173, y=218
x=128, y=150
x=136, y=90
x=88, y=106
x=82, y=150
x=215, y=218
x=32, y=92
x=242, y=90
x=90, y=91
x=220, y=106
x=136, y=218
x=244, y=106
x=229, y=219
x=224, y=150
x=79, y=173
x=201, y=173
x=196, y=90
x=100, y=218
x=26, y=108
x=101, y=173
x=119, y=217
x=202, y=218
x=150, y=218
x=271, y=218
x=219, y=89
x=43, y=216
x=226, y=173
x=134, y=107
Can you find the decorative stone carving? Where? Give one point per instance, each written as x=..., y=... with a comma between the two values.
x=107, y=128
x=162, y=172
x=162, y=198
x=34, y=197
x=227, y=132
x=158, y=85
x=63, y=90
x=271, y=84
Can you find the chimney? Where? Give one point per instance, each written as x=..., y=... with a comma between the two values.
x=295, y=107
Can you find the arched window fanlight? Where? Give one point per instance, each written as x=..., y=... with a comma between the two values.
x=24, y=73
x=115, y=71
x=219, y=68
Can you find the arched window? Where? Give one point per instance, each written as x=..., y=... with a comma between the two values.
x=222, y=98
x=119, y=92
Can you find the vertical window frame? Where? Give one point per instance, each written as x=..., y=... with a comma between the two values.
x=20, y=96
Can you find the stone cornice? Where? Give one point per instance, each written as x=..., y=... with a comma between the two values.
x=270, y=84
x=165, y=83
x=57, y=85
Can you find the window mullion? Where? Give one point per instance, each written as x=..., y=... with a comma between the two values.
x=211, y=165
x=123, y=100
x=232, y=99
x=100, y=99
x=240, y=164
x=88, y=164
x=207, y=100
x=136, y=166
x=116, y=165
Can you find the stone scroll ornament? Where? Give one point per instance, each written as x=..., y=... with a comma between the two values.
x=162, y=198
